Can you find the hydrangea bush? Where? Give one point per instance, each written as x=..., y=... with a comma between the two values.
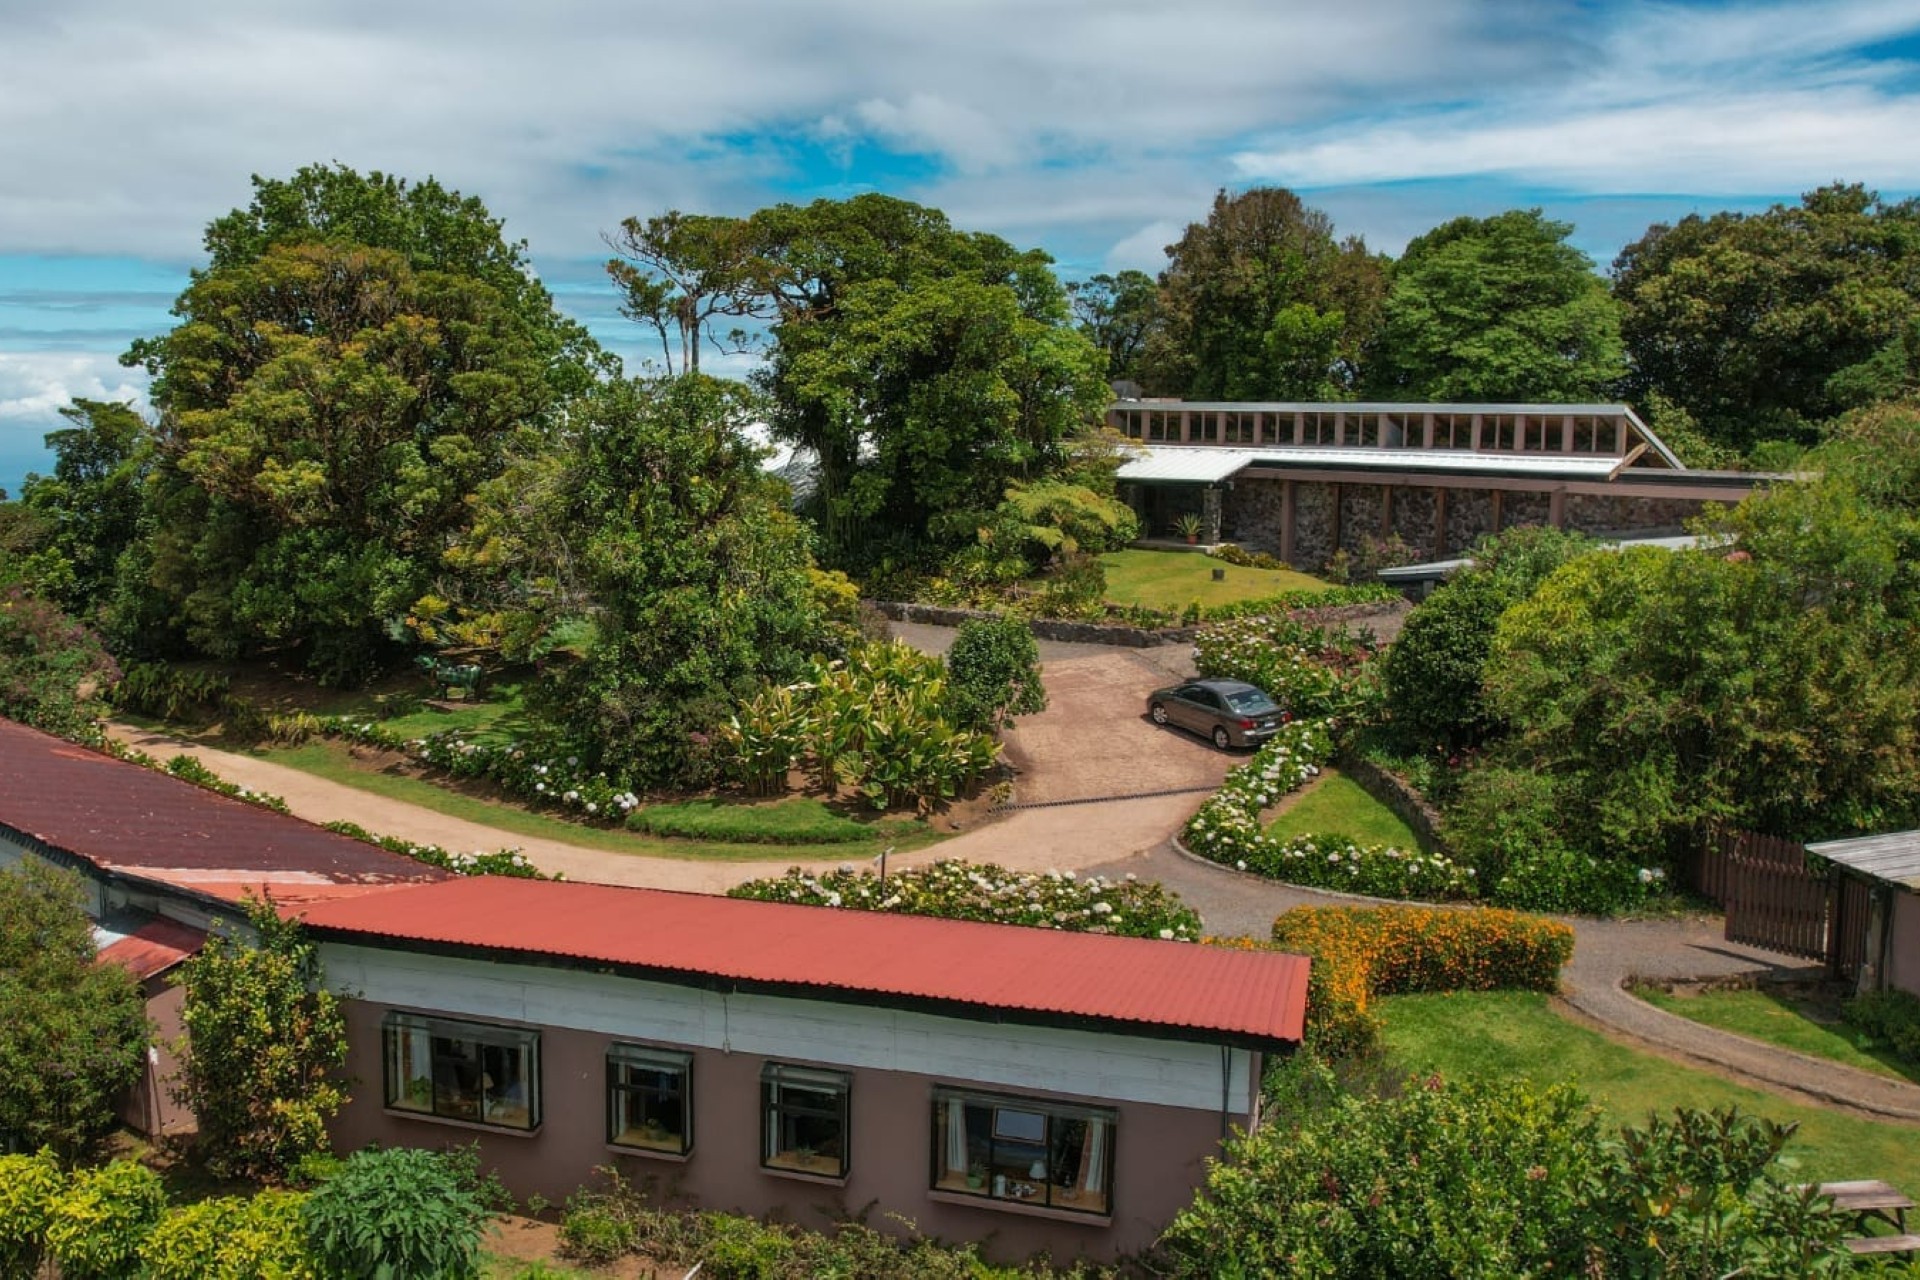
x=500, y=862
x=1228, y=830
x=957, y=890
x=1311, y=672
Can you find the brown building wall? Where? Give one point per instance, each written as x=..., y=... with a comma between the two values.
x=149, y=1107
x=1903, y=942
x=1158, y=1158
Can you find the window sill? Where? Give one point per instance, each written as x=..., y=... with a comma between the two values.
x=795, y=1175
x=427, y=1117
x=649, y=1153
x=993, y=1205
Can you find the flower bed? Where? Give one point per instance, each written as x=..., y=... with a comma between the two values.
x=1227, y=830
x=1310, y=671
x=957, y=890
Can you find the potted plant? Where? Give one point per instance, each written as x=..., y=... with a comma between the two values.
x=1189, y=526
x=977, y=1177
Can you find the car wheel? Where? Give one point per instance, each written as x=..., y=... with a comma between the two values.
x=1158, y=712
x=1220, y=738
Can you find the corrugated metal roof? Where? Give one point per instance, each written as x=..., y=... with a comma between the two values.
x=124, y=818
x=1210, y=464
x=832, y=954
x=1893, y=857
x=1186, y=464
x=1396, y=407
x=148, y=947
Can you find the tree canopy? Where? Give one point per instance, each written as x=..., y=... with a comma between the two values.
x=1497, y=310
x=1762, y=325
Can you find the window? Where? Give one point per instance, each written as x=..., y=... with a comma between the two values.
x=463, y=1070
x=803, y=1121
x=650, y=1099
x=1013, y=1149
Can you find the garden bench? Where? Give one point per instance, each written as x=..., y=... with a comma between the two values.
x=1869, y=1198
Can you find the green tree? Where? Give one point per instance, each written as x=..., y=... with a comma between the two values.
x=678, y=273
x=666, y=535
x=397, y=1214
x=923, y=368
x=263, y=1039
x=75, y=1032
x=1500, y=310
x=1117, y=313
x=993, y=673
x=1762, y=325
x=1260, y=302
x=53, y=670
x=91, y=502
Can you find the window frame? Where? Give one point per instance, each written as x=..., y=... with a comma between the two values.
x=941, y=1181
x=522, y=1040
x=774, y=1076
x=623, y=1053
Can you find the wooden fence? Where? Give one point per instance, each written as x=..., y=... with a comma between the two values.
x=1773, y=899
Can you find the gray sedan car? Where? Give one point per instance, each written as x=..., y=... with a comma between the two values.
x=1231, y=712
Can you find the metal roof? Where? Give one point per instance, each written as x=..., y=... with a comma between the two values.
x=136, y=822
x=1210, y=464
x=1893, y=858
x=147, y=946
x=1178, y=990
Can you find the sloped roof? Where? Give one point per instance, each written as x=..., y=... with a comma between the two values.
x=1893, y=858
x=1177, y=990
x=121, y=818
x=148, y=946
x=1210, y=464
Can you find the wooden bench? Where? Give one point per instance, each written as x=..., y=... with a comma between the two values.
x=1870, y=1198
x=1868, y=1245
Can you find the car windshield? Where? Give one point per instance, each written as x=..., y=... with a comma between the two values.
x=1251, y=701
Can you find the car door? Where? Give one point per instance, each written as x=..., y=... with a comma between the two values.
x=1203, y=709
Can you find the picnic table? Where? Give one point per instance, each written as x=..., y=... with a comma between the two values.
x=1868, y=1199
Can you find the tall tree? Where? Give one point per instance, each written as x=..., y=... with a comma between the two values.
x=1260, y=302
x=91, y=502
x=75, y=1031
x=680, y=274
x=1116, y=313
x=1498, y=309
x=327, y=405
x=926, y=368
x=1762, y=325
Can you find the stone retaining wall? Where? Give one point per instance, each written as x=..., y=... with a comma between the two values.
x=1409, y=805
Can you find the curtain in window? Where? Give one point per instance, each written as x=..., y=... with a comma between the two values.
x=956, y=1136
x=1093, y=1159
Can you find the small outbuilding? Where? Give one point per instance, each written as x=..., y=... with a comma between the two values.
x=1888, y=866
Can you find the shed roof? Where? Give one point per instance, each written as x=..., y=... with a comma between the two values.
x=1176, y=990
x=1210, y=464
x=122, y=818
x=1893, y=858
x=147, y=946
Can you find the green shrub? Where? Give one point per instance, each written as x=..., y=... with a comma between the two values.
x=97, y=1226
x=593, y=1230
x=801, y=820
x=1507, y=824
x=167, y=692
x=396, y=1214
x=1313, y=673
x=29, y=1187
x=734, y=1247
x=231, y=1238
x=993, y=673
x=1890, y=1017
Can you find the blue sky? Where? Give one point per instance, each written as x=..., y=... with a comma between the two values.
x=1093, y=128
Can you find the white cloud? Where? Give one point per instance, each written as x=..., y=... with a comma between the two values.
x=1145, y=249
x=34, y=386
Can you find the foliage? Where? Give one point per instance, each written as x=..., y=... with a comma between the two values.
x=1498, y=310
x=1760, y=325
x=91, y=502
x=263, y=1038
x=1501, y=1179
x=259, y=1237
x=1402, y=950
x=1051, y=521
x=1507, y=823
x=956, y=890
x=922, y=367
x=167, y=692
x=678, y=274
x=394, y=1214
x=1432, y=674
x=801, y=820
x=75, y=1032
x=877, y=722
x=1311, y=672
x=1116, y=312
x=696, y=573
x=500, y=862
x=188, y=769
x=29, y=1187
x=52, y=669
x=1892, y=1017
x=993, y=674
x=1260, y=302
x=1364, y=562
x=96, y=1227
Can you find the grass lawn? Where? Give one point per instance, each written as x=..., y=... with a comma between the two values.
x=1500, y=1034
x=1175, y=579
x=1805, y=1025
x=334, y=762
x=1336, y=805
x=796, y=820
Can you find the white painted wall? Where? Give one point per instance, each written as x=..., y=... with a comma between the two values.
x=1085, y=1064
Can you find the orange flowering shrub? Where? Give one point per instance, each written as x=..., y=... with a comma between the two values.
x=1362, y=952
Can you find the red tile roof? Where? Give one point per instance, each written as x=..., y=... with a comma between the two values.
x=154, y=947
x=1014, y=972
x=121, y=817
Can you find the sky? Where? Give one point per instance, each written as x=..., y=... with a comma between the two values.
x=1095, y=129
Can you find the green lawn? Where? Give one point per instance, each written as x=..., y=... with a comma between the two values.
x=1503, y=1034
x=795, y=820
x=335, y=762
x=1175, y=579
x=1336, y=805
x=1805, y=1025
